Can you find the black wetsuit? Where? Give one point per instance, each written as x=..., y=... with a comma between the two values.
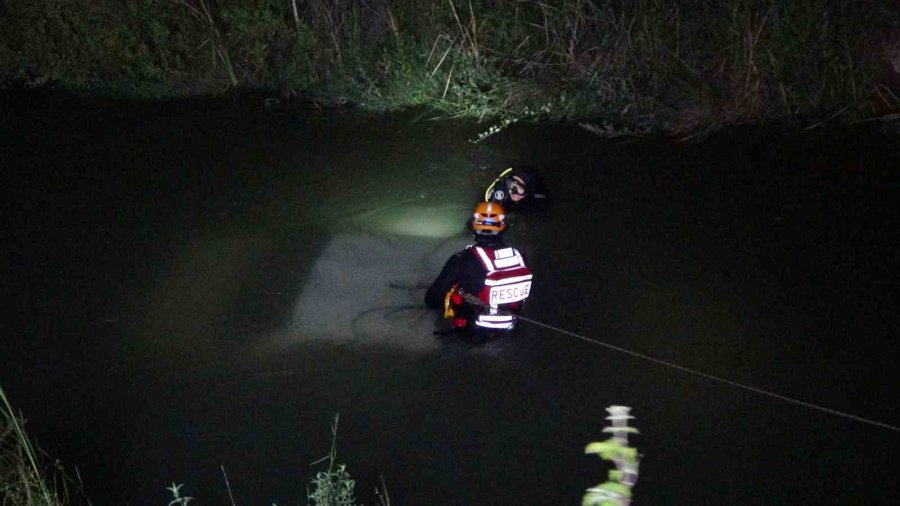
x=462, y=268
x=536, y=193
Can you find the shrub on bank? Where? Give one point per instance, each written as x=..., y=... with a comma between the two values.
x=663, y=65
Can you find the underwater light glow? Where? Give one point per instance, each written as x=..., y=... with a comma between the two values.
x=419, y=220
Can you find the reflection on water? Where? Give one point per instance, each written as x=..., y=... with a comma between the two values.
x=202, y=284
x=361, y=288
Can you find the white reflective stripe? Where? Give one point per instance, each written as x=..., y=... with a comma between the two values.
x=507, y=281
x=490, y=208
x=508, y=257
x=502, y=326
x=496, y=318
x=485, y=259
x=515, y=261
x=489, y=325
x=503, y=258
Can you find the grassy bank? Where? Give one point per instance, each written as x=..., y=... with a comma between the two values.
x=652, y=64
x=25, y=479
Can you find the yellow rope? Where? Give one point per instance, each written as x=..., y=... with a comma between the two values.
x=490, y=188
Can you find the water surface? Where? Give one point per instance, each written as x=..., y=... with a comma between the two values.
x=194, y=285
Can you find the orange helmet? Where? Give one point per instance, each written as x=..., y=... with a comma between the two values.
x=489, y=218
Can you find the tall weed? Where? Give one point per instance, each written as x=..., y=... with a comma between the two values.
x=23, y=479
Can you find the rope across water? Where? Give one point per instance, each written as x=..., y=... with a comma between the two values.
x=475, y=300
x=719, y=379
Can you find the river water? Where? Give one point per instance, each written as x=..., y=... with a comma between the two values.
x=195, y=288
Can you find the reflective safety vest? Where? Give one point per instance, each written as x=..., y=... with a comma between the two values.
x=506, y=286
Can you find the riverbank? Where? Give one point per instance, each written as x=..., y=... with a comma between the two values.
x=627, y=67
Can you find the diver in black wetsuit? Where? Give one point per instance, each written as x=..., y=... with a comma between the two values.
x=517, y=188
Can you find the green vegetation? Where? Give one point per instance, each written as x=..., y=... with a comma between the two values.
x=177, y=498
x=651, y=64
x=617, y=489
x=24, y=481
x=332, y=487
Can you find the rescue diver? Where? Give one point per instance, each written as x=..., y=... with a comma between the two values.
x=483, y=287
x=516, y=188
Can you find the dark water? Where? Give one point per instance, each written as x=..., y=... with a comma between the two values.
x=195, y=285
